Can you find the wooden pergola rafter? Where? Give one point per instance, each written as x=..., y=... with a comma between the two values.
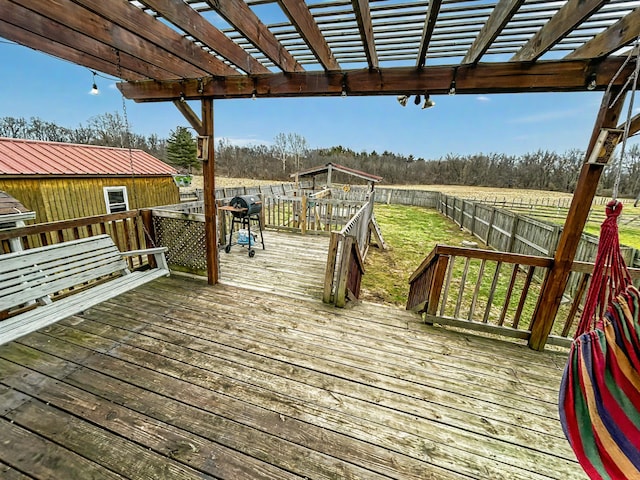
x=234, y=44
x=177, y=50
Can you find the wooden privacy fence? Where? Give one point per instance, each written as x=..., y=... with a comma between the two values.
x=509, y=232
x=345, y=260
x=494, y=292
x=418, y=198
x=180, y=227
x=129, y=231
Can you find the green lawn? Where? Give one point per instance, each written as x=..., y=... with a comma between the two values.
x=410, y=233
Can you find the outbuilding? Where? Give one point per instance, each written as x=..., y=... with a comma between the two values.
x=60, y=181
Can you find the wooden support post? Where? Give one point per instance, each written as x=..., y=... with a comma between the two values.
x=208, y=170
x=437, y=282
x=329, y=275
x=556, y=280
x=343, y=275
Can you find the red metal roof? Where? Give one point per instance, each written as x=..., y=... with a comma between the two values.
x=32, y=157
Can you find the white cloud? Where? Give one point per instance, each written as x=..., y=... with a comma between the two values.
x=483, y=98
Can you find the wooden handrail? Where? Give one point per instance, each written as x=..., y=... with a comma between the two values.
x=66, y=224
x=431, y=281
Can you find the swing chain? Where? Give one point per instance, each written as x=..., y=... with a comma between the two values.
x=147, y=234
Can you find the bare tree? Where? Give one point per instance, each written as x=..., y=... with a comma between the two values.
x=298, y=147
x=11, y=127
x=281, y=150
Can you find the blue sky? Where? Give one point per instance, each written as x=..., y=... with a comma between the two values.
x=33, y=84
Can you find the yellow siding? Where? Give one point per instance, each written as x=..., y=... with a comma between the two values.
x=65, y=198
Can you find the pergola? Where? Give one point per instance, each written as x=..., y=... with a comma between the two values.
x=174, y=50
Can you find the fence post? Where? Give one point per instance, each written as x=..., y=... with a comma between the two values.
x=473, y=219
x=514, y=229
x=303, y=215
x=329, y=273
x=343, y=275
x=491, y=219
x=555, y=237
x=437, y=282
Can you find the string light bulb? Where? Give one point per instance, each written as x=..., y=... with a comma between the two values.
x=452, y=87
x=94, y=88
x=592, y=82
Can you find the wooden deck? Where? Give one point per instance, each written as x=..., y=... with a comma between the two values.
x=290, y=264
x=180, y=380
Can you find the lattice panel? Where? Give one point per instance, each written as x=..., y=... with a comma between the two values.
x=185, y=240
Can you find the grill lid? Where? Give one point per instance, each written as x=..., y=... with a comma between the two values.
x=252, y=203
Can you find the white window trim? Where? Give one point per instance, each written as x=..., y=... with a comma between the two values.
x=122, y=189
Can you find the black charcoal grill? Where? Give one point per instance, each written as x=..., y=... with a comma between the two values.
x=252, y=203
x=245, y=209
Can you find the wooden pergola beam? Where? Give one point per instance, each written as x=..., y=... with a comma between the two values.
x=557, y=277
x=32, y=40
x=191, y=116
x=133, y=19
x=572, y=14
x=429, y=26
x=365, y=26
x=300, y=16
x=94, y=26
x=190, y=21
x=612, y=39
x=543, y=76
x=500, y=16
x=238, y=14
x=634, y=125
x=19, y=25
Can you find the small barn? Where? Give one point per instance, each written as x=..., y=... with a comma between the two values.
x=60, y=181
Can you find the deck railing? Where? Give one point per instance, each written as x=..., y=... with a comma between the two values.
x=129, y=231
x=494, y=292
x=345, y=260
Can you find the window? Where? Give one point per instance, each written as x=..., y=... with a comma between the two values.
x=116, y=199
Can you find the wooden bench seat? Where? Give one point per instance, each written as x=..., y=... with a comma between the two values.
x=86, y=271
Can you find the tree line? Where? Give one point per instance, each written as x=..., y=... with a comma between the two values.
x=543, y=169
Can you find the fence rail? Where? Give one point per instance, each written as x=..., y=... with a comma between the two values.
x=510, y=232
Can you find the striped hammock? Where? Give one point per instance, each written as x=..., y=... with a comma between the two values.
x=599, y=399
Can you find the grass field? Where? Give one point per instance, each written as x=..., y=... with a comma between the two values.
x=410, y=233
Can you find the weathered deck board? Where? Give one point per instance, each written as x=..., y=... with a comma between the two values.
x=227, y=382
x=256, y=378
x=291, y=264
